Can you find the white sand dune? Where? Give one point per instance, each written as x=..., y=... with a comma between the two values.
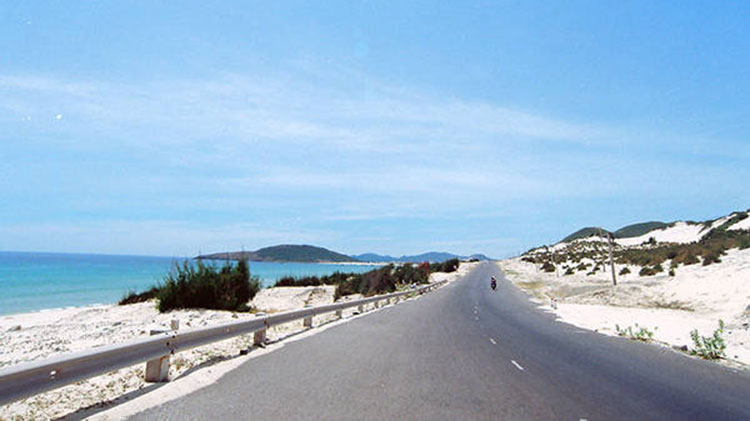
x=697, y=297
x=680, y=232
x=742, y=225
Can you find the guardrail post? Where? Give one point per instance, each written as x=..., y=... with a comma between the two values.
x=340, y=314
x=259, y=336
x=308, y=321
x=157, y=370
x=376, y=304
x=361, y=308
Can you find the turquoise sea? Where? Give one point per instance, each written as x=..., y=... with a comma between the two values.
x=38, y=281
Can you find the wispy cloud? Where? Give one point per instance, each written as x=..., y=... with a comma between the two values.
x=246, y=109
x=287, y=153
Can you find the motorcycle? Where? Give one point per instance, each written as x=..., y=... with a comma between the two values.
x=493, y=284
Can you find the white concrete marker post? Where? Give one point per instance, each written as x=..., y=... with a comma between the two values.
x=259, y=336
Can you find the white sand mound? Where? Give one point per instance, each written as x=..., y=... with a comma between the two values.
x=289, y=298
x=695, y=298
x=680, y=232
x=742, y=225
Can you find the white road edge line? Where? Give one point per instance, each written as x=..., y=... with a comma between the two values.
x=518, y=366
x=493, y=341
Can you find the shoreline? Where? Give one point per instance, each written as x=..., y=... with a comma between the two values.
x=265, y=283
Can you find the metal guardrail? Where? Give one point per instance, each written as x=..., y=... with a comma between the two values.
x=28, y=379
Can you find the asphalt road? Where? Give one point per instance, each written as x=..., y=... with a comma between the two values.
x=466, y=352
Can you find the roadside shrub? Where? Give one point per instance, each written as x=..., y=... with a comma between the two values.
x=709, y=347
x=712, y=257
x=408, y=274
x=690, y=259
x=569, y=271
x=639, y=334
x=447, y=266
x=207, y=286
x=305, y=281
x=548, y=267
x=671, y=272
x=647, y=271
x=131, y=297
x=450, y=265
x=624, y=271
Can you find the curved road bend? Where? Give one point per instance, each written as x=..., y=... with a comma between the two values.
x=465, y=352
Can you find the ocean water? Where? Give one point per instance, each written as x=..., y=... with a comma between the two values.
x=38, y=281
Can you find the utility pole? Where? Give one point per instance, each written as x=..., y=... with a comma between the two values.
x=611, y=257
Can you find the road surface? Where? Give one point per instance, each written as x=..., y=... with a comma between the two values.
x=466, y=352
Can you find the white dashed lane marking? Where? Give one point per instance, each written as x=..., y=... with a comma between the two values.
x=518, y=366
x=493, y=341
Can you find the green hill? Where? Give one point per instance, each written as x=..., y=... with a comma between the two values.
x=283, y=253
x=636, y=230
x=585, y=233
x=303, y=253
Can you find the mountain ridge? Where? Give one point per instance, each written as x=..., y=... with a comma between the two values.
x=432, y=256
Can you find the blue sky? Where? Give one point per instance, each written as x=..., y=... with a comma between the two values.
x=172, y=128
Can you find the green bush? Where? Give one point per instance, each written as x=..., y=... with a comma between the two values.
x=207, y=286
x=640, y=334
x=132, y=297
x=624, y=271
x=377, y=281
x=709, y=347
x=569, y=271
x=447, y=266
x=548, y=267
x=647, y=271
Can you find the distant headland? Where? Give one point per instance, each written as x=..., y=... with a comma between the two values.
x=314, y=254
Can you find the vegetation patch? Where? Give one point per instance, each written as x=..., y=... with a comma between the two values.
x=132, y=297
x=548, y=267
x=199, y=285
x=531, y=285
x=672, y=305
x=638, y=333
x=709, y=347
x=636, y=230
x=378, y=281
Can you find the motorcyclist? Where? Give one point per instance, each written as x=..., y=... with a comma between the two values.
x=493, y=283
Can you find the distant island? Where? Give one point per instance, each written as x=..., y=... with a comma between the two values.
x=282, y=253
x=314, y=254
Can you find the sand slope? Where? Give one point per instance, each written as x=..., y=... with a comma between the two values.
x=696, y=298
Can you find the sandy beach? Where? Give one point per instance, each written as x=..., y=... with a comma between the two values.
x=33, y=336
x=697, y=297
